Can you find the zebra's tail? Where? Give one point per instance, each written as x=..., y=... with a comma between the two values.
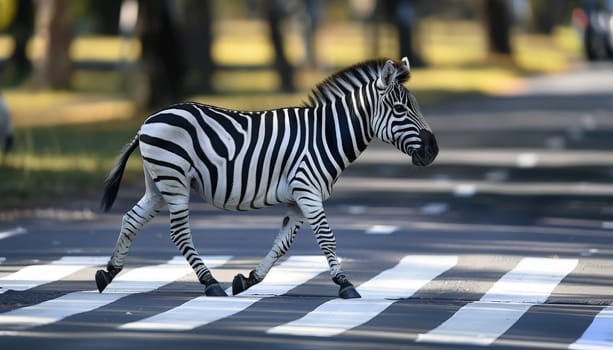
x=111, y=184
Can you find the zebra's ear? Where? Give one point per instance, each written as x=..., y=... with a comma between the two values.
x=387, y=75
x=405, y=60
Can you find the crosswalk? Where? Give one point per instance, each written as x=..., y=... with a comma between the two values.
x=337, y=315
x=528, y=284
x=140, y=280
x=483, y=321
x=204, y=310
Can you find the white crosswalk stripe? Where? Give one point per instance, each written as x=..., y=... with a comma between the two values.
x=12, y=232
x=140, y=280
x=599, y=335
x=338, y=315
x=36, y=275
x=203, y=310
x=482, y=322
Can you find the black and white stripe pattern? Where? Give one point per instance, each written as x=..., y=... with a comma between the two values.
x=248, y=160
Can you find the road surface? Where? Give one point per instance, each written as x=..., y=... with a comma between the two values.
x=507, y=241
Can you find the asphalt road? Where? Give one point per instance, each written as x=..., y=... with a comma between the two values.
x=505, y=241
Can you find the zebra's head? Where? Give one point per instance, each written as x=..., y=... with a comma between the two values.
x=397, y=118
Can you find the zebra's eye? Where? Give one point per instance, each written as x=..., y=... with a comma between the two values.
x=400, y=108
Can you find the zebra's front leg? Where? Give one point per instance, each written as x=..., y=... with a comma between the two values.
x=313, y=211
x=181, y=236
x=291, y=223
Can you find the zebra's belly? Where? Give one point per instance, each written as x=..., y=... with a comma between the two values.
x=248, y=197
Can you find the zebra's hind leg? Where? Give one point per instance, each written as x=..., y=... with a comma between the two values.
x=291, y=223
x=133, y=221
x=181, y=236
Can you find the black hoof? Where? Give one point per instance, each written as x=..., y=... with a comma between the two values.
x=214, y=290
x=103, y=279
x=241, y=283
x=348, y=292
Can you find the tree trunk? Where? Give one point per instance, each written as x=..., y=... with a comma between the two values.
x=406, y=22
x=54, y=27
x=498, y=27
x=22, y=31
x=546, y=14
x=282, y=65
x=197, y=34
x=106, y=14
x=176, y=37
x=162, y=54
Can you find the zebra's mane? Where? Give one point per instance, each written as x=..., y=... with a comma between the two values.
x=348, y=79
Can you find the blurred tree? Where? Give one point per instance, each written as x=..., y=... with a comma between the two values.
x=546, y=14
x=106, y=16
x=161, y=55
x=400, y=13
x=21, y=29
x=275, y=13
x=405, y=20
x=197, y=40
x=176, y=37
x=498, y=28
x=54, y=26
x=312, y=16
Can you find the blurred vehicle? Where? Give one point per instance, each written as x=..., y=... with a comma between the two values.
x=6, y=131
x=595, y=20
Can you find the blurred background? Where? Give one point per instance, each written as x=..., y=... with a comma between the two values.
x=78, y=77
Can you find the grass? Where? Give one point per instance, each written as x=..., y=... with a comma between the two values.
x=52, y=164
x=49, y=108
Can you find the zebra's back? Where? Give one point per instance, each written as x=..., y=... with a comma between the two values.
x=234, y=160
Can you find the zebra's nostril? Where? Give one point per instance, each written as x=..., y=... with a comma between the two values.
x=428, y=151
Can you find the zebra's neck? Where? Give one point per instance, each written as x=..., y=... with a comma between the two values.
x=346, y=121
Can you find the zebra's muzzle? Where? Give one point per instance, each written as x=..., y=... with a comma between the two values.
x=428, y=151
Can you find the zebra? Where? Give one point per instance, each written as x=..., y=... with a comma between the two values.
x=244, y=160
